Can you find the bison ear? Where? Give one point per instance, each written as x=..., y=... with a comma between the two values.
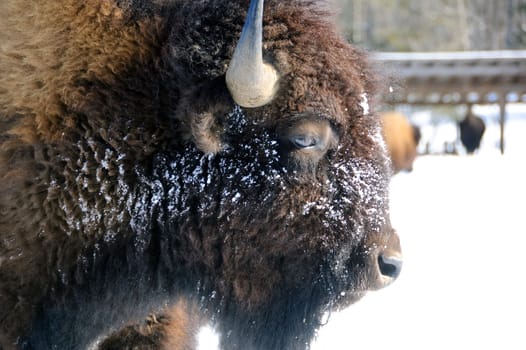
x=251, y=82
x=206, y=134
x=201, y=113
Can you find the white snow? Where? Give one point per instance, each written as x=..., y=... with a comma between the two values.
x=208, y=339
x=364, y=103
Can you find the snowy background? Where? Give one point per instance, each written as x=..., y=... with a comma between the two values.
x=461, y=220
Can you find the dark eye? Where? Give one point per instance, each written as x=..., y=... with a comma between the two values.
x=305, y=141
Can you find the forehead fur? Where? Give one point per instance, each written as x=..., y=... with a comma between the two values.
x=322, y=71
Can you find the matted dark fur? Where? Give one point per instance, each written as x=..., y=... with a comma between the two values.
x=130, y=179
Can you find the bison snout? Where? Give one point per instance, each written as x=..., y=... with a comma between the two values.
x=385, y=259
x=389, y=266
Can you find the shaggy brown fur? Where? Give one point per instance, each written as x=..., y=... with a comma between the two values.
x=110, y=210
x=401, y=139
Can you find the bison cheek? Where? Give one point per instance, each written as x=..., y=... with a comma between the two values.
x=247, y=278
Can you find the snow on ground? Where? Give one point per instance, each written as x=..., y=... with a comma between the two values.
x=461, y=221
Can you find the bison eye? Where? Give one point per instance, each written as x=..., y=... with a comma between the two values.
x=305, y=141
x=309, y=134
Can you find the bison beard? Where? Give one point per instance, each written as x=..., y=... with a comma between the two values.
x=132, y=181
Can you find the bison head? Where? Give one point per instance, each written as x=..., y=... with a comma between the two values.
x=290, y=203
x=153, y=156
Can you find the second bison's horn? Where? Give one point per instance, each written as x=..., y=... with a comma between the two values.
x=251, y=81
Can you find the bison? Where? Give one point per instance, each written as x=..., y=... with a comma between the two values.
x=472, y=129
x=159, y=152
x=401, y=138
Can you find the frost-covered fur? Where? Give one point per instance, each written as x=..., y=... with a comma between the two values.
x=131, y=181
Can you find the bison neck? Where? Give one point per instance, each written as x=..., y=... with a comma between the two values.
x=121, y=290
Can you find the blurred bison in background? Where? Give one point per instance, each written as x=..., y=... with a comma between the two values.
x=472, y=129
x=151, y=155
x=401, y=138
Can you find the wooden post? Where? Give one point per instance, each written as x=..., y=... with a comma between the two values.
x=502, y=120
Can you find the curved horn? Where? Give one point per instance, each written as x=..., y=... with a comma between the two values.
x=251, y=82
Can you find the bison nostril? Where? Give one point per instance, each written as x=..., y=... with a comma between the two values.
x=390, y=266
